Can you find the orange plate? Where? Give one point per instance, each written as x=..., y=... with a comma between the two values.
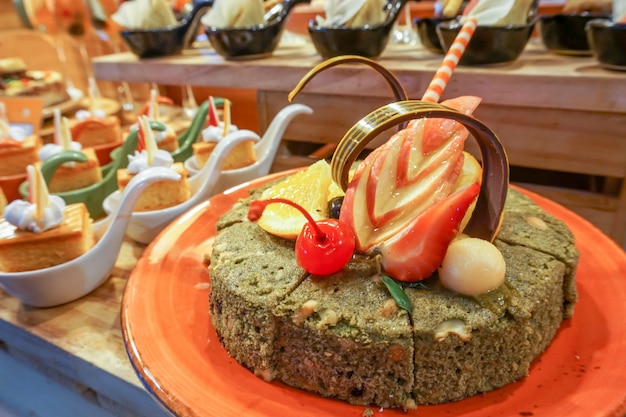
x=174, y=349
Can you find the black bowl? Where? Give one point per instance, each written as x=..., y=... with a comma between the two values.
x=608, y=43
x=426, y=30
x=564, y=34
x=171, y=40
x=366, y=41
x=251, y=42
x=489, y=44
x=369, y=42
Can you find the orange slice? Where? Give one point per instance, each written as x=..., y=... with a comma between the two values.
x=309, y=188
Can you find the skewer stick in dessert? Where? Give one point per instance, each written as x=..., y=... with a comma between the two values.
x=149, y=143
x=226, y=118
x=153, y=109
x=4, y=122
x=41, y=197
x=66, y=137
x=450, y=61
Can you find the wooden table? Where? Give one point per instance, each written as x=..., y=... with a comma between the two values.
x=70, y=360
x=562, y=118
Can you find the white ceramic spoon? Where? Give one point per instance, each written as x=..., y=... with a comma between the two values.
x=71, y=280
x=265, y=151
x=146, y=225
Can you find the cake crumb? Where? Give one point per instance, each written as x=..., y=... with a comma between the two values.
x=367, y=413
x=454, y=326
x=329, y=318
x=389, y=308
x=309, y=307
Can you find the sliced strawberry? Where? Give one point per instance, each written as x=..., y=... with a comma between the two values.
x=416, y=252
x=399, y=179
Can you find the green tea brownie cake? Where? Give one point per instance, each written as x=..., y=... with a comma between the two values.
x=419, y=277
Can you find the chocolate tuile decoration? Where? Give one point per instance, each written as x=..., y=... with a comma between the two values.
x=397, y=88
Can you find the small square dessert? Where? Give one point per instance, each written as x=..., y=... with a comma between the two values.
x=160, y=194
x=16, y=155
x=167, y=139
x=240, y=156
x=76, y=175
x=22, y=250
x=95, y=131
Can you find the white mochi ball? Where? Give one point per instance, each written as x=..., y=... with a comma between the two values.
x=472, y=266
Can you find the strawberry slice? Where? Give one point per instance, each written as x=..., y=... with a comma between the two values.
x=413, y=170
x=416, y=252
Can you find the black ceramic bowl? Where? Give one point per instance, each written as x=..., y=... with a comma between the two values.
x=608, y=43
x=367, y=41
x=489, y=44
x=171, y=40
x=426, y=30
x=251, y=42
x=363, y=41
x=564, y=34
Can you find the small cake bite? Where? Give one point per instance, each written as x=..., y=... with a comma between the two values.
x=241, y=155
x=160, y=194
x=17, y=148
x=71, y=175
x=43, y=231
x=93, y=127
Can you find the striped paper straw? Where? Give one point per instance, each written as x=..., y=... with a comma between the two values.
x=450, y=61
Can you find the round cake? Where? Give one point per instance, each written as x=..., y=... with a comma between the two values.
x=343, y=335
x=430, y=282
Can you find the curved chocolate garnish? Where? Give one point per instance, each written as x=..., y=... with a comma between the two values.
x=487, y=215
x=393, y=82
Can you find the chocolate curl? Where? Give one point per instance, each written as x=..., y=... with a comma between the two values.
x=226, y=117
x=213, y=117
x=450, y=61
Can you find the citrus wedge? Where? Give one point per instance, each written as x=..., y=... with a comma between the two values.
x=308, y=188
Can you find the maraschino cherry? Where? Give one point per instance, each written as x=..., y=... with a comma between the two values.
x=323, y=247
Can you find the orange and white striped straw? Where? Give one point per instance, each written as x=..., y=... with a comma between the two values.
x=450, y=61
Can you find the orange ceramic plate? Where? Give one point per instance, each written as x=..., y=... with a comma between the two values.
x=174, y=348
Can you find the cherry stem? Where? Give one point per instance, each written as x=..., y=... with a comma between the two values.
x=257, y=206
